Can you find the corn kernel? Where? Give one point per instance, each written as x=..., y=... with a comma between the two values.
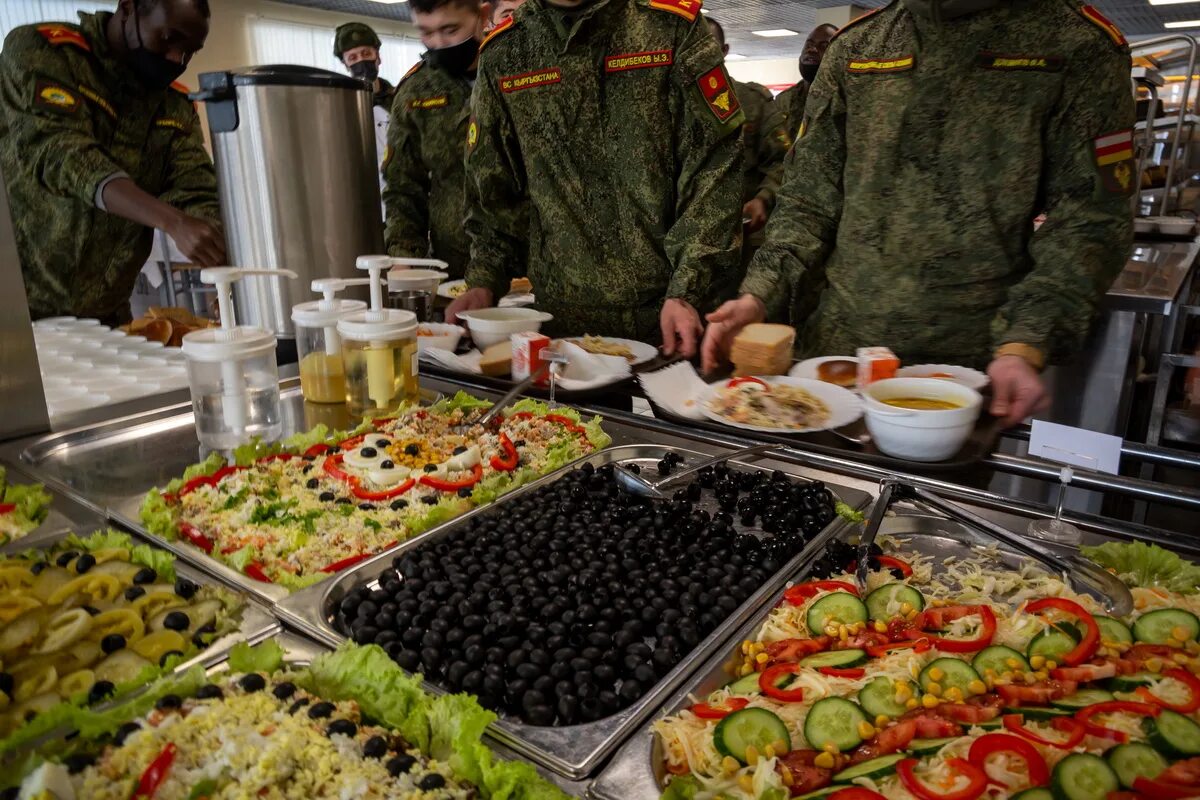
x=977, y=687
x=769, y=751
x=910, y=616
x=1192, y=647
x=1180, y=658
x=911, y=703
x=1154, y=664
x=1012, y=663
x=758, y=647
x=746, y=782
x=730, y=765
x=882, y=720
x=903, y=693
x=1037, y=662
x=751, y=755
x=905, y=608
x=786, y=775
x=954, y=694
x=830, y=748
x=1051, y=664
x=762, y=658
x=880, y=626
x=929, y=701
x=780, y=746
x=824, y=761
x=934, y=689
x=843, y=634
x=937, y=602
x=1173, y=642
x=1181, y=633
x=866, y=730
x=936, y=673
x=1124, y=647
x=831, y=630
x=746, y=647
x=745, y=670
x=915, y=670
x=1042, y=675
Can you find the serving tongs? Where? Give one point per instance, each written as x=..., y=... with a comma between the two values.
x=1081, y=574
x=547, y=357
x=636, y=484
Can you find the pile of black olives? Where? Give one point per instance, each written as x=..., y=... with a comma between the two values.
x=838, y=556
x=570, y=603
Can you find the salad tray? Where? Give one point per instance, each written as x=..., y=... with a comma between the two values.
x=574, y=751
x=638, y=771
x=65, y=511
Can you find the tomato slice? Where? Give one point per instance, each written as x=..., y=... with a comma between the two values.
x=705, y=711
x=976, y=781
x=1091, y=637
x=1186, y=772
x=1184, y=677
x=1161, y=790
x=938, y=618
x=991, y=743
x=920, y=645
x=1085, y=672
x=746, y=379
x=7, y=508
x=769, y=676
x=1085, y=715
x=1036, y=694
x=853, y=673
x=795, y=649
x=1015, y=723
x=976, y=710
x=799, y=594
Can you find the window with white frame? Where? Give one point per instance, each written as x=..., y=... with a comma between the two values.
x=278, y=42
x=15, y=13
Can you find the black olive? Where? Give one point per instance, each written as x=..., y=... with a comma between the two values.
x=252, y=682
x=99, y=691
x=398, y=505
x=84, y=563
x=162, y=660
x=78, y=762
x=458, y=451
x=429, y=499
x=412, y=450
x=343, y=501
x=312, y=483
x=375, y=747
x=185, y=588
x=368, y=452
x=65, y=558
x=401, y=764
x=387, y=464
x=145, y=575
x=168, y=701
x=176, y=621
x=37, y=568
x=299, y=704
x=342, y=726
x=321, y=710
x=366, y=506
x=326, y=497
x=465, y=491
x=123, y=732
x=210, y=691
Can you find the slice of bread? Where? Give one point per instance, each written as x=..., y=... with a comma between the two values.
x=765, y=336
x=497, y=360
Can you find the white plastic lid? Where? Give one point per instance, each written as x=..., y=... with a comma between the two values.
x=404, y=278
x=387, y=324
x=311, y=315
x=215, y=344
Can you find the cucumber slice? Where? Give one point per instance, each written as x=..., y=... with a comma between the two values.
x=1051, y=644
x=878, y=698
x=996, y=658
x=750, y=727
x=1158, y=627
x=747, y=684
x=927, y=747
x=1173, y=734
x=1128, y=683
x=874, y=768
x=820, y=794
x=834, y=721
x=956, y=674
x=1083, y=776
x=840, y=659
x=1039, y=714
x=1135, y=760
x=1040, y=793
x=838, y=608
x=988, y=725
x=1082, y=699
x=893, y=595
x=1113, y=630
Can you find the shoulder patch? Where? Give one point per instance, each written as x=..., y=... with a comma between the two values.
x=1102, y=22
x=496, y=31
x=58, y=34
x=857, y=20
x=722, y=102
x=56, y=98
x=181, y=88
x=411, y=71
x=688, y=9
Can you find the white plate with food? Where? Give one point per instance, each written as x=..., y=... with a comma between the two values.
x=971, y=378
x=837, y=370
x=452, y=290
x=631, y=350
x=780, y=404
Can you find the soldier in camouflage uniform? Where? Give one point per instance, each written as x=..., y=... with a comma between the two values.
x=616, y=122
x=935, y=133
x=98, y=147
x=791, y=100
x=357, y=45
x=425, y=184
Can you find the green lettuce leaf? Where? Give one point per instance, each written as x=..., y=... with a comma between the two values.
x=256, y=448
x=681, y=787
x=847, y=513
x=265, y=657
x=206, y=467
x=447, y=508
x=456, y=726
x=1148, y=565
x=294, y=583
x=461, y=400
x=32, y=502
x=529, y=405
x=596, y=434
x=157, y=516
x=239, y=559
x=161, y=561
x=101, y=540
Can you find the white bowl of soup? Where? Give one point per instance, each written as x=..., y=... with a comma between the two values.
x=920, y=419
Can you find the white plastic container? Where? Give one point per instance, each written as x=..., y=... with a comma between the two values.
x=491, y=326
x=379, y=350
x=318, y=345
x=920, y=435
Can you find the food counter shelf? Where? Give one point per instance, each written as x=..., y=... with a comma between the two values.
x=573, y=751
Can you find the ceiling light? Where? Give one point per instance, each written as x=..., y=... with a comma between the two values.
x=735, y=57
x=706, y=11
x=1170, y=2
x=1187, y=23
x=389, y=2
x=775, y=32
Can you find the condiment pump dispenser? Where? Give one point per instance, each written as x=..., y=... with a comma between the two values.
x=379, y=348
x=322, y=371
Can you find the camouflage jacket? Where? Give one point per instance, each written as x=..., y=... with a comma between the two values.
x=618, y=129
x=70, y=116
x=791, y=103
x=927, y=150
x=424, y=186
x=767, y=141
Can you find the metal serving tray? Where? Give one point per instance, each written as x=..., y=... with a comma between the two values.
x=111, y=465
x=66, y=512
x=572, y=751
x=636, y=771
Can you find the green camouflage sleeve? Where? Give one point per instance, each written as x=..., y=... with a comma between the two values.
x=801, y=231
x=495, y=190
x=773, y=144
x=192, y=181
x=705, y=239
x=406, y=187
x=1088, y=177
x=49, y=122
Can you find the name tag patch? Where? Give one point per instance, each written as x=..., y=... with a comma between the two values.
x=167, y=122
x=1010, y=63
x=427, y=102
x=1114, y=160
x=530, y=80
x=721, y=99
x=866, y=66
x=649, y=58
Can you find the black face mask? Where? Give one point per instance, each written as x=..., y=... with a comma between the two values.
x=365, y=70
x=153, y=70
x=457, y=59
x=809, y=71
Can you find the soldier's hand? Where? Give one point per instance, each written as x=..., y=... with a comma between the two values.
x=755, y=215
x=724, y=324
x=469, y=300
x=199, y=240
x=1017, y=389
x=681, y=328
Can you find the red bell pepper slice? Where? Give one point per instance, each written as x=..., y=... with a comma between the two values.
x=1161, y=790
x=194, y=484
x=1085, y=715
x=7, y=508
x=1184, y=677
x=338, y=566
x=332, y=467
x=855, y=793
x=387, y=494
x=887, y=562
x=920, y=645
x=705, y=711
x=1091, y=635
x=746, y=379
x=976, y=781
x=987, y=629
x=800, y=593
x=352, y=442
x=381, y=422
x=453, y=486
x=768, y=677
x=189, y=531
x=318, y=449
x=156, y=772
x=793, y=649
x=990, y=743
x=1015, y=723
x=255, y=571
x=509, y=461
x=566, y=422
x=854, y=673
